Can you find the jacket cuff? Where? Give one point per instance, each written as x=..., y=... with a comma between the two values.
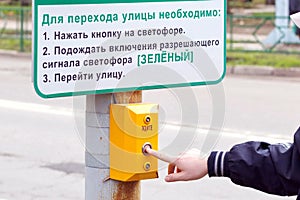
x=217, y=164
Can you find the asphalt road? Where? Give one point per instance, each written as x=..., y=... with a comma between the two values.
x=41, y=150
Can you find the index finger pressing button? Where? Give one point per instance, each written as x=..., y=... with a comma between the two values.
x=161, y=156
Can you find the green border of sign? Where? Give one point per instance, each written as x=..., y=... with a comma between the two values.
x=68, y=94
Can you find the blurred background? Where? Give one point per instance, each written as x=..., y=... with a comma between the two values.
x=41, y=141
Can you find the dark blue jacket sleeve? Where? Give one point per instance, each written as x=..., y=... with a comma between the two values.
x=273, y=169
x=294, y=6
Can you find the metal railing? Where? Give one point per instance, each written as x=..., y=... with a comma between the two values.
x=253, y=33
x=15, y=28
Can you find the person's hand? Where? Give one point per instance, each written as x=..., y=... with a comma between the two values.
x=188, y=166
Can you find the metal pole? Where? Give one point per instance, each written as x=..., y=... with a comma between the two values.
x=22, y=29
x=97, y=149
x=231, y=31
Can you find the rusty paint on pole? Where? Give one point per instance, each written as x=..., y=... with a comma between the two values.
x=129, y=97
x=97, y=149
x=127, y=190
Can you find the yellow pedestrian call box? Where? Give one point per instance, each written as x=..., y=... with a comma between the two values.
x=132, y=128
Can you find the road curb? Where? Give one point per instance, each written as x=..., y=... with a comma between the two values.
x=263, y=71
x=15, y=54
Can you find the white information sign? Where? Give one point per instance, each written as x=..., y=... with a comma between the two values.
x=113, y=46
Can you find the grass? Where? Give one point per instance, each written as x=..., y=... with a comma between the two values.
x=13, y=32
x=241, y=4
x=14, y=44
x=13, y=12
x=263, y=59
x=264, y=14
x=234, y=4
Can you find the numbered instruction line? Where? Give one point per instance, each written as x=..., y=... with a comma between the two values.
x=32, y=107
